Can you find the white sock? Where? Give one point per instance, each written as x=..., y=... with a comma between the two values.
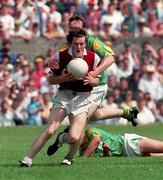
x=28, y=161
x=62, y=138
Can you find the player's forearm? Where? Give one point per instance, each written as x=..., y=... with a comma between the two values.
x=91, y=147
x=52, y=80
x=89, y=151
x=105, y=63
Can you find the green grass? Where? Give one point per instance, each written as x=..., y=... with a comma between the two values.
x=15, y=141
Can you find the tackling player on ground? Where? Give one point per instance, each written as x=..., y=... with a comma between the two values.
x=103, y=143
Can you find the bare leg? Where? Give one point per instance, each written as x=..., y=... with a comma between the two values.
x=92, y=110
x=148, y=146
x=55, y=118
x=74, y=148
x=74, y=136
x=157, y=154
x=107, y=112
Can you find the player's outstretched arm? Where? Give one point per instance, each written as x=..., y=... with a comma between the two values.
x=92, y=146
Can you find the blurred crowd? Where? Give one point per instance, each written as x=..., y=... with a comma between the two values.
x=108, y=19
x=135, y=79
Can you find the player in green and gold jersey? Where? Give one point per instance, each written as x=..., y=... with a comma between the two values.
x=99, y=142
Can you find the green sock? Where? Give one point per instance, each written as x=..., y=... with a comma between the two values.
x=126, y=113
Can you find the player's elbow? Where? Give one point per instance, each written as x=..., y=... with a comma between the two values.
x=111, y=59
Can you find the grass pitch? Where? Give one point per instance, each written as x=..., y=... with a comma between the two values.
x=15, y=141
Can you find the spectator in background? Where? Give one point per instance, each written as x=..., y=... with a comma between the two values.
x=6, y=18
x=155, y=6
x=142, y=29
x=152, y=21
x=123, y=86
x=17, y=72
x=40, y=12
x=117, y=95
x=8, y=78
x=5, y=61
x=145, y=115
x=115, y=15
x=2, y=84
x=112, y=83
x=53, y=31
x=26, y=73
x=133, y=80
x=92, y=14
x=159, y=115
x=20, y=32
x=64, y=22
x=125, y=32
x=148, y=54
x=3, y=32
x=127, y=9
x=160, y=56
x=18, y=115
x=6, y=114
x=50, y=56
x=35, y=30
x=160, y=74
x=5, y=95
x=159, y=31
x=150, y=83
x=94, y=28
x=150, y=103
x=54, y=16
x=129, y=101
x=72, y=10
x=24, y=99
x=101, y=7
x=132, y=55
x=6, y=50
x=66, y=4
x=125, y=70
x=107, y=33
x=38, y=71
x=34, y=110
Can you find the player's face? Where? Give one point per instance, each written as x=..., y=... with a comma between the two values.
x=76, y=24
x=78, y=46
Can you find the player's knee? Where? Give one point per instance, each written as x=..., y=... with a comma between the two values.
x=72, y=139
x=49, y=132
x=97, y=115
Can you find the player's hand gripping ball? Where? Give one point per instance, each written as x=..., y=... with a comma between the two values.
x=77, y=67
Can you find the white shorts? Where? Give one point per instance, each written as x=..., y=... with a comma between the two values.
x=98, y=94
x=131, y=145
x=72, y=102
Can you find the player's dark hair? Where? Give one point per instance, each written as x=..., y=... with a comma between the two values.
x=77, y=17
x=76, y=32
